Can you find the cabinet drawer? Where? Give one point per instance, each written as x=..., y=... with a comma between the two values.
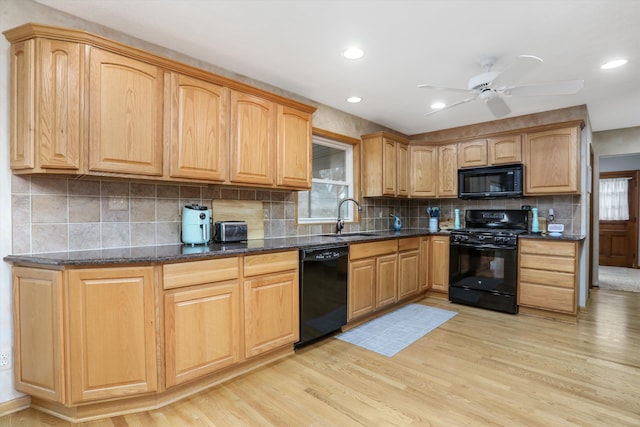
x=409, y=244
x=541, y=247
x=366, y=250
x=550, y=278
x=553, y=263
x=547, y=298
x=199, y=272
x=270, y=263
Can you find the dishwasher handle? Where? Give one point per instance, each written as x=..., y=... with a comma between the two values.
x=324, y=254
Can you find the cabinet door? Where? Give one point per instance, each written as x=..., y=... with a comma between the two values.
x=472, y=153
x=424, y=170
x=252, y=139
x=125, y=115
x=386, y=280
x=112, y=340
x=294, y=148
x=402, y=169
x=447, y=171
x=38, y=333
x=271, y=312
x=408, y=273
x=425, y=252
x=46, y=87
x=552, y=162
x=202, y=331
x=362, y=275
x=198, y=122
x=505, y=149
x=389, y=165
x=439, y=267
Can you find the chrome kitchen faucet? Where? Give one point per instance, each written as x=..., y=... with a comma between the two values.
x=340, y=223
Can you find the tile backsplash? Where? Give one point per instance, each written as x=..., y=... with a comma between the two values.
x=57, y=214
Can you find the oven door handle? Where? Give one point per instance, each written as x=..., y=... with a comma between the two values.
x=486, y=246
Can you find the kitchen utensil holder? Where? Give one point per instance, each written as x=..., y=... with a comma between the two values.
x=433, y=224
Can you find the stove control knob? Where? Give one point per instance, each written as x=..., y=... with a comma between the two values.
x=481, y=237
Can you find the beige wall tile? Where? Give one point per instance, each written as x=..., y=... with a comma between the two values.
x=83, y=236
x=84, y=209
x=142, y=209
x=84, y=188
x=114, y=234
x=49, y=209
x=167, y=210
x=49, y=237
x=167, y=232
x=47, y=185
x=143, y=233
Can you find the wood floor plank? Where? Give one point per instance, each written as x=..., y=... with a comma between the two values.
x=481, y=368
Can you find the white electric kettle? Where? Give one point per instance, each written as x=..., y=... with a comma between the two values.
x=196, y=224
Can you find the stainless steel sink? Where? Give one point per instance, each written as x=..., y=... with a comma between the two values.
x=347, y=235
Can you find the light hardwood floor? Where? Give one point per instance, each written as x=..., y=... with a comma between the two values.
x=480, y=368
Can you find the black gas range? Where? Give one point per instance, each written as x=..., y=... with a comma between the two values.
x=483, y=259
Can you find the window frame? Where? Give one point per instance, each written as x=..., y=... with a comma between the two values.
x=330, y=137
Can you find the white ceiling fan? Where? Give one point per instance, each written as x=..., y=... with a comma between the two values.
x=492, y=86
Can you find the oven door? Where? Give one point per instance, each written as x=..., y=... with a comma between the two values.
x=483, y=276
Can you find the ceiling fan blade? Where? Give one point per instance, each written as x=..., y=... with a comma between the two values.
x=497, y=106
x=523, y=65
x=451, y=89
x=464, y=101
x=566, y=87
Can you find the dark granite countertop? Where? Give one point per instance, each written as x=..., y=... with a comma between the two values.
x=547, y=236
x=179, y=252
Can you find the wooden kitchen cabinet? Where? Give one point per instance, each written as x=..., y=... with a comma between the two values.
x=373, y=270
x=552, y=161
x=294, y=149
x=505, y=149
x=198, y=120
x=271, y=303
x=125, y=115
x=46, y=107
x=472, y=153
x=112, y=333
x=447, y=171
x=439, y=263
x=202, y=318
x=252, y=142
x=425, y=257
x=408, y=267
x=423, y=170
x=384, y=165
x=548, y=277
x=39, y=333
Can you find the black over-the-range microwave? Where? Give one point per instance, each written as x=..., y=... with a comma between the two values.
x=490, y=182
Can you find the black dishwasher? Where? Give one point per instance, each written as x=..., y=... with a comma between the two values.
x=323, y=291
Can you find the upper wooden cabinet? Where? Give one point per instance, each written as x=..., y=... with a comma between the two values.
x=423, y=162
x=46, y=107
x=552, y=161
x=472, y=153
x=294, y=149
x=497, y=150
x=82, y=104
x=384, y=165
x=505, y=149
x=125, y=115
x=447, y=171
x=198, y=113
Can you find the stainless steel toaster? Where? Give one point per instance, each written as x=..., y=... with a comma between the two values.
x=230, y=231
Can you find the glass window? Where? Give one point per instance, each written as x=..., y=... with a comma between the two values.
x=332, y=181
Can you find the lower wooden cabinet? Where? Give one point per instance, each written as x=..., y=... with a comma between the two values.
x=112, y=339
x=548, y=276
x=271, y=302
x=439, y=263
x=408, y=267
x=201, y=321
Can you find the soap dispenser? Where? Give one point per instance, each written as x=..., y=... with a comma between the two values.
x=397, y=222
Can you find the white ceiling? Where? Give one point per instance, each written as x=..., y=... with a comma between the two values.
x=296, y=45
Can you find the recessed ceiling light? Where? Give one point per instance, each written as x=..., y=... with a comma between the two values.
x=353, y=53
x=354, y=99
x=614, y=64
x=438, y=105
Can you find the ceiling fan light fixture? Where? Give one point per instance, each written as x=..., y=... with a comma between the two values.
x=353, y=52
x=354, y=99
x=613, y=64
x=438, y=105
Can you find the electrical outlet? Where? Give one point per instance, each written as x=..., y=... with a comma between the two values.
x=5, y=358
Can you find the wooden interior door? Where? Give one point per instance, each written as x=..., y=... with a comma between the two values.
x=619, y=239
